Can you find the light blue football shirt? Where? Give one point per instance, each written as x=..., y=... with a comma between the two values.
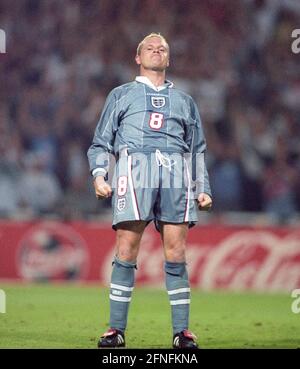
x=141, y=117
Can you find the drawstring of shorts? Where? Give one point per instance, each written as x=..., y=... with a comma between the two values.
x=164, y=161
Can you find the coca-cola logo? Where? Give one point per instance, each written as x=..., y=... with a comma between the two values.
x=247, y=259
x=52, y=251
x=257, y=260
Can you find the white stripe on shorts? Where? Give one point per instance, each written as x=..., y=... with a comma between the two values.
x=186, y=216
x=133, y=198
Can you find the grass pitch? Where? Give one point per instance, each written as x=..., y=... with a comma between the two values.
x=73, y=316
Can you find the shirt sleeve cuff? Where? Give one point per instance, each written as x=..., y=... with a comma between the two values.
x=99, y=172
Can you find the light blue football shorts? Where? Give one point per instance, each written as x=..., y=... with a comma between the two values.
x=153, y=186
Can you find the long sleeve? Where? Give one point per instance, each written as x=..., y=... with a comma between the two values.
x=103, y=141
x=198, y=149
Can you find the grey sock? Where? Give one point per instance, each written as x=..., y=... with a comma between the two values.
x=178, y=288
x=122, y=283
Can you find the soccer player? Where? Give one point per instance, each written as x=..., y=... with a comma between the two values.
x=154, y=131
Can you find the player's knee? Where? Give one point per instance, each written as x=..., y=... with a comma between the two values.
x=127, y=249
x=175, y=252
x=126, y=254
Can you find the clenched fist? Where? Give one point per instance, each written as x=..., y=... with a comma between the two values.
x=204, y=201
x=102, y=189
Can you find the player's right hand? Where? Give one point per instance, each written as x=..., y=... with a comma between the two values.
x=102, y=189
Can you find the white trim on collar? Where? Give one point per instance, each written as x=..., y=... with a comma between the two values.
x=147, y=82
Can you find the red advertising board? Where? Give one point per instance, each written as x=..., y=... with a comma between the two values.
x=236, y=258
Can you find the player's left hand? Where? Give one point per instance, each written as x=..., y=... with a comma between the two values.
x=204, y=201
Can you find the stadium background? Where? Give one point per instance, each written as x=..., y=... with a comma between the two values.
x=234, y=57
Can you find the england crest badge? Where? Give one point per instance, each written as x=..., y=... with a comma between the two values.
x=121, y=204
x=158, y=101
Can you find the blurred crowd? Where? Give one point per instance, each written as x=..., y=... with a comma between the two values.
x=233, y=56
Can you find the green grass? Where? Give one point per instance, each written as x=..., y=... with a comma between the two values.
x=73, y=316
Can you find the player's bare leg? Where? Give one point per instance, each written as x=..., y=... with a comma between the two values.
x=129, y=235
x=174, y=241
x=128, y=240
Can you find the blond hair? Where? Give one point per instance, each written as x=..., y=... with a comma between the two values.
x=153, y=34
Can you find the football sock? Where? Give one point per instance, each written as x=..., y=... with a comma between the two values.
x=121, y=287
x=178, y=288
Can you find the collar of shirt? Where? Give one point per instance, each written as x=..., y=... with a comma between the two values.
x=146, y=81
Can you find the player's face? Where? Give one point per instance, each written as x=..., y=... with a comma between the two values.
x=154, y=55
